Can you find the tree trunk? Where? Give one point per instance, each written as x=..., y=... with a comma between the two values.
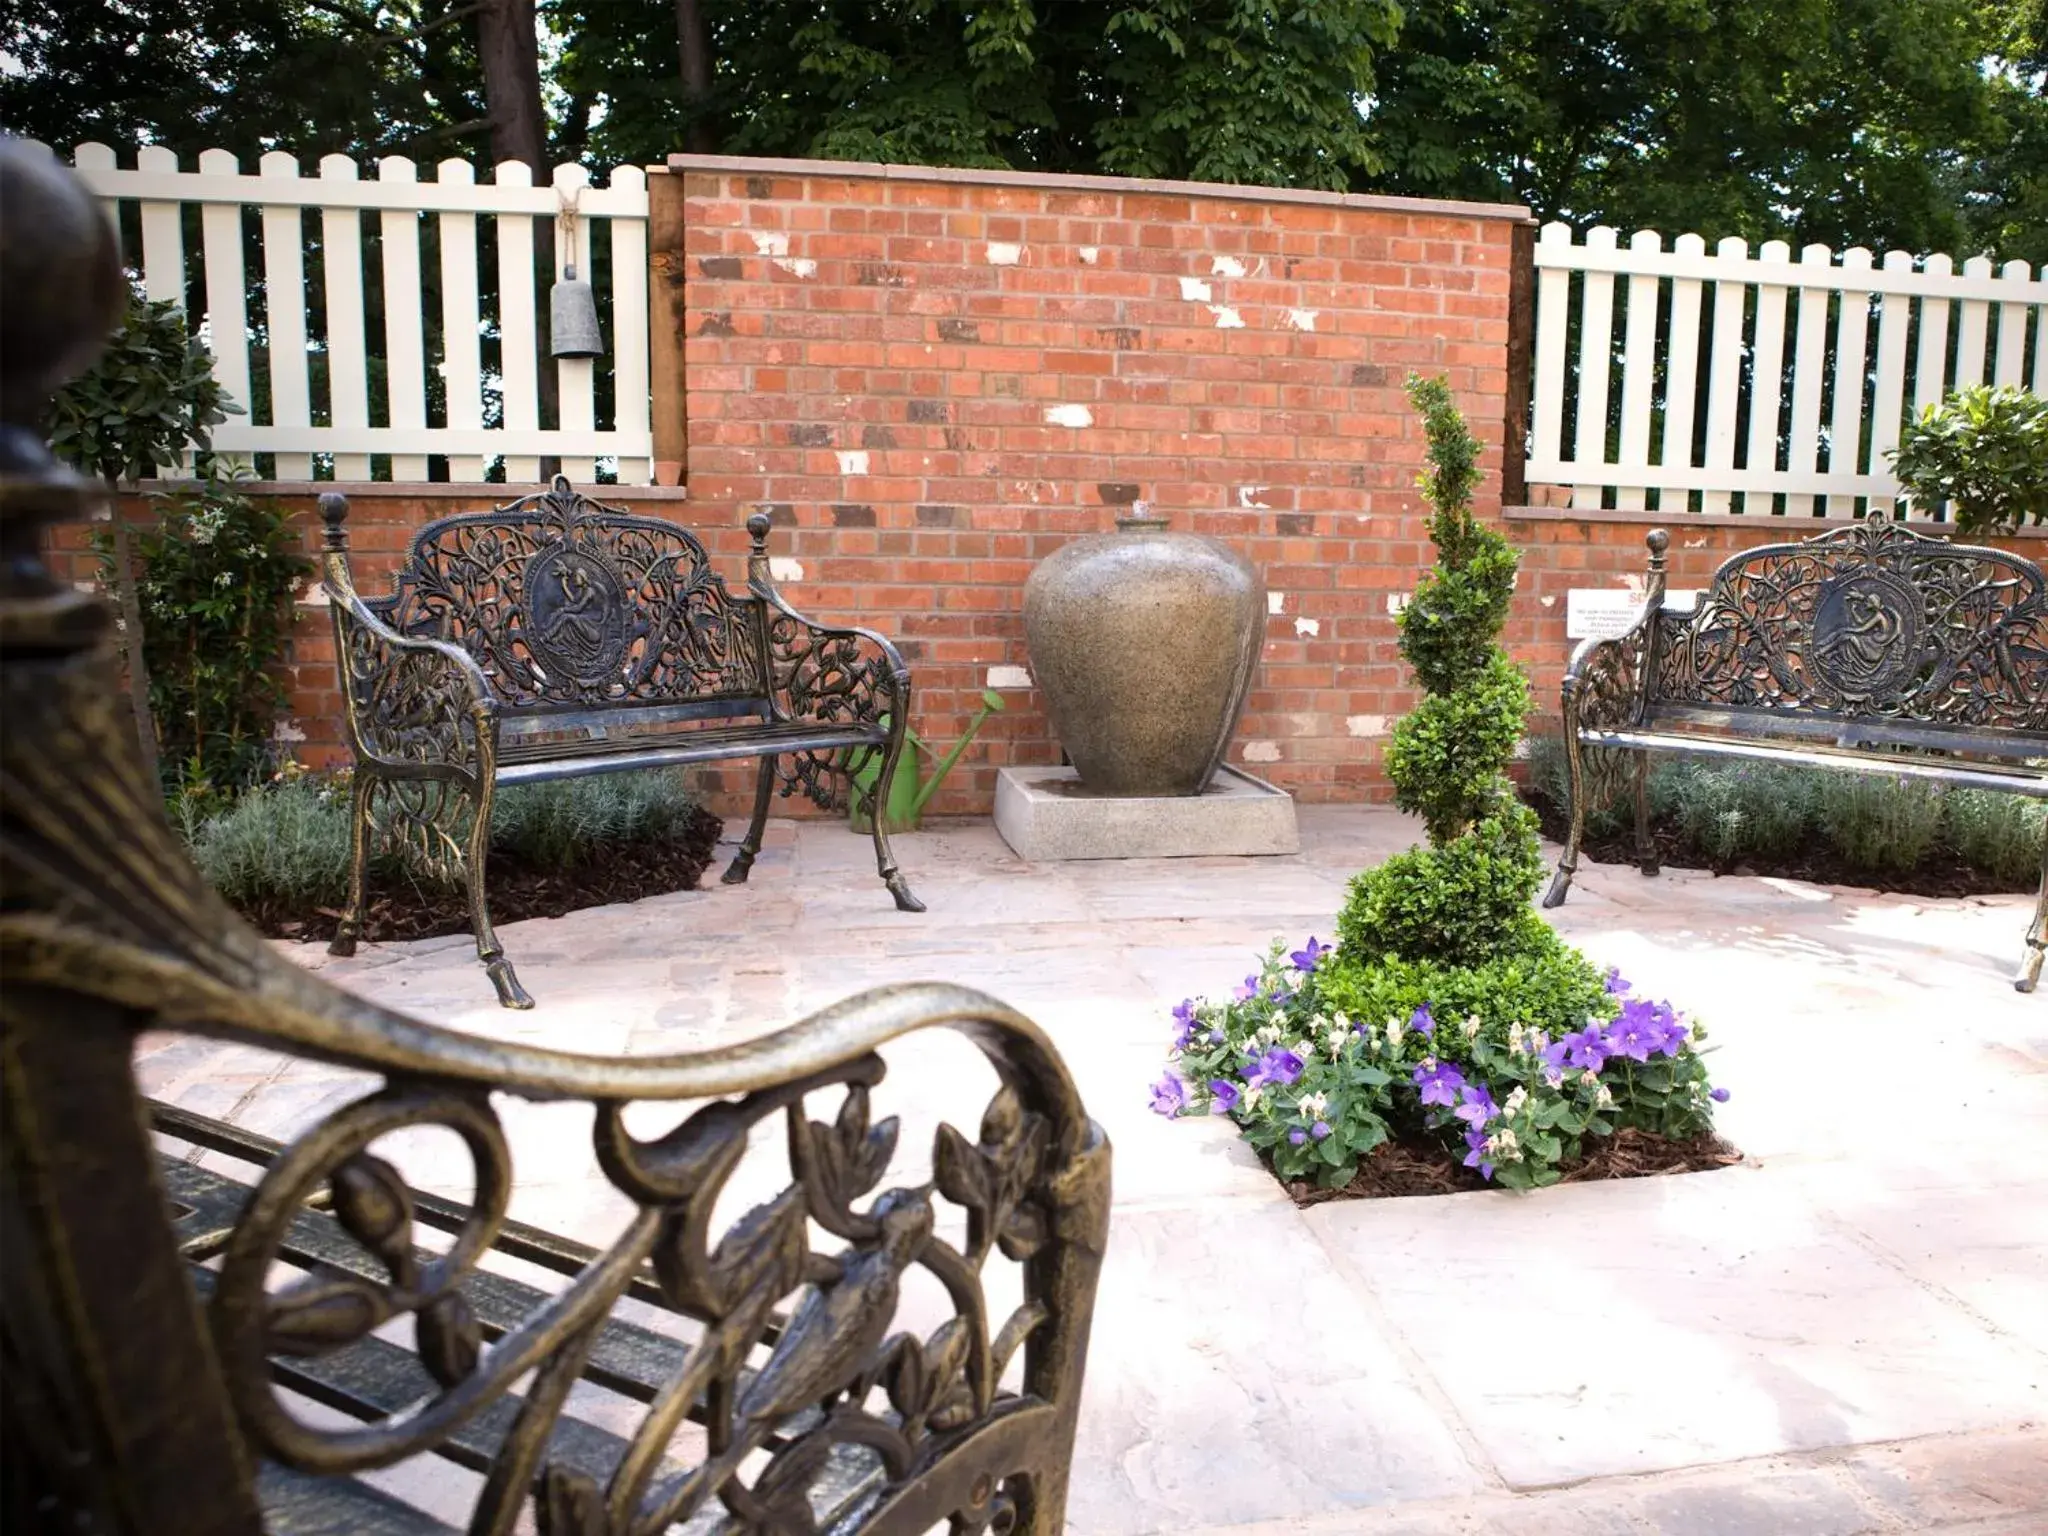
x=508, y=46
x=694, y=45
x=130, y=607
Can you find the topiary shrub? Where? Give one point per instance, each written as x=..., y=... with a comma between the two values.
x=1466, y=896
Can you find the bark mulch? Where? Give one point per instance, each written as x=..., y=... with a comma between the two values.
x=608, y=873
x=1395, y=1170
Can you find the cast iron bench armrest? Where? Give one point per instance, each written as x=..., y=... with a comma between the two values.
x=825, y=672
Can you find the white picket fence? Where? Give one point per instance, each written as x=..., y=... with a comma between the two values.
x=461, y=208
x=1707, y=419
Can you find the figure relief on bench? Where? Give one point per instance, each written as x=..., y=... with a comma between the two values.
x=1872, y=648
x=555, y=637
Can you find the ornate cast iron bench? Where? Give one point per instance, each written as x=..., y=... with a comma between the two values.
x=557, y=637
x=194, y=1349
x=1871, y=648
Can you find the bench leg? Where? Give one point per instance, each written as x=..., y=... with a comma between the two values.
x=488, y=949
x=743, y=861
x=1568, y=866
x=1646, y=847
x=350, y=928
x=2029, y=975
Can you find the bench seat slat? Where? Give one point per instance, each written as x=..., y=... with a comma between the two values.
x=534, y=762
x=2015, y=779
x=1858, y=730
x=304, y=1504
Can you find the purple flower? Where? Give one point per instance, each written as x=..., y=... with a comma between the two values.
x=1279, y=1067
x=1557, y=1055
x=1617, y=984
x=1224, y=1095
x=1319, y=1130
x=1247, y=989
x=1644, y=1027
x=1297, y=1136
x=1169, y=1096
x=1184, y=1016
x=1440, y=1085
x=1475, y=1155
x=1476, y=1106
x=1309, y=955
x=1585, y=1050
x=1719, y=1095
x=1422, y=1021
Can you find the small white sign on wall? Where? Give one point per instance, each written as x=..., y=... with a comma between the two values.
x=1600, y=613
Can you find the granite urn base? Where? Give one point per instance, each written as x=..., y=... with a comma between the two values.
x=1046, y=814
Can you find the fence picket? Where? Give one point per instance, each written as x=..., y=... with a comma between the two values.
x=1767, y=368
x=1888, y=402
x=1638, y=372
x=405, y=376
x=573, y=374
x=1809, y=363
x=462, y=371
x=1724, y=377
x=2041, y=344
x=518, y=357
x=630, y=418
x=284, y=300
x=1596, y=364
x=1970, y=334
x=2012, y=329
x=1553, y=301
x=163, y=257
x=1681, y=382
x=1852, y=343
x=227, y=293
x=348, y=357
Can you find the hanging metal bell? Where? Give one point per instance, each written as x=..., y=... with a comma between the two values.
x=572, y=312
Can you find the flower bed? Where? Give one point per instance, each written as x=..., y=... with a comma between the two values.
x=1513, y=1074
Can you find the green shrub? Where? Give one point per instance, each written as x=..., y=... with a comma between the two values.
x=1732, y=812
x=1466, y=895
x=285, y=843
x=1999, y=834
x=1985, y=452
x=1545, y=984
x=1878, y=823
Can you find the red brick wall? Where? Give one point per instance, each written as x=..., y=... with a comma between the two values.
x=937, y=378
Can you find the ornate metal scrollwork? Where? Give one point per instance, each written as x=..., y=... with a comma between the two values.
x=563, y=600
x=1870, y=621
x=832, y=675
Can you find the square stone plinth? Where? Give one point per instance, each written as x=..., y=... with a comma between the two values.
x=1045, y=814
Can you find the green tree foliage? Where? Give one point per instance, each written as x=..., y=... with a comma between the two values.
x=1464, y=899
x=149, y=397
x=1911, y=123
x=1985, y=452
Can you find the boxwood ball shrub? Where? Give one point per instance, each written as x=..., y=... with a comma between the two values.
x=1448, y=1014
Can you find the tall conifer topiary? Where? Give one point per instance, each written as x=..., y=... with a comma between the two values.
x=1463, y=899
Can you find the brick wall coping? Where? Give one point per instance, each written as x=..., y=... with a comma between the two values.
x=480, y=491
x=1800, y=526
x=750, y=165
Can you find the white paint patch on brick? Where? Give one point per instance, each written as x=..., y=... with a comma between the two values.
x=782, y=568
x=1276, y=602
x=797, y=266
x=771, y=242
x=316, y=595
x=1366, y=725
x=1003, y=254
x=1008, y=677
x=1227, y=319
x=1069, y=416
x=287, y=731
x=1303, y=319
x=1307, y=628
x=1227, y=266
x=1089, y=253
x=1548, y=602
x=1248, y=498
x=1397, y=603
x=853, y=461
x=1194, y=290
x=1521, y=752
x=1262, y=751
x=1698, y=543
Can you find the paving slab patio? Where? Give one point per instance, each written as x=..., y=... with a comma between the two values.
x=1847, y=1333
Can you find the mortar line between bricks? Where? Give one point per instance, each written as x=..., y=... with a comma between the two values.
x=1419, y=1371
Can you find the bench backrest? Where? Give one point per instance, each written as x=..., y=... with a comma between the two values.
x=570, y=604
x=1908, y=638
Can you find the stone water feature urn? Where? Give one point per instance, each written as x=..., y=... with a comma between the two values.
x=1145, y=643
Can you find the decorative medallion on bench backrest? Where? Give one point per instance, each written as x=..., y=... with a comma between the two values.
x=565, y=601
x=1873, y=620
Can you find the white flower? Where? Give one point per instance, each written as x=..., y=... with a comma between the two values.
x=1427, y=1064
x=1604, y=1099
x=1471, y=1025
x=1590, y=1078
x=1515, y=1047
x=1253, y=1094
x=1553, y=1077
x=1313, y=1105
x=1393, y=1032
x=1344, y=1022
x=1268, y=1034
x=1515, y=1101
x=1319, y=1021
x=1502, y=1144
